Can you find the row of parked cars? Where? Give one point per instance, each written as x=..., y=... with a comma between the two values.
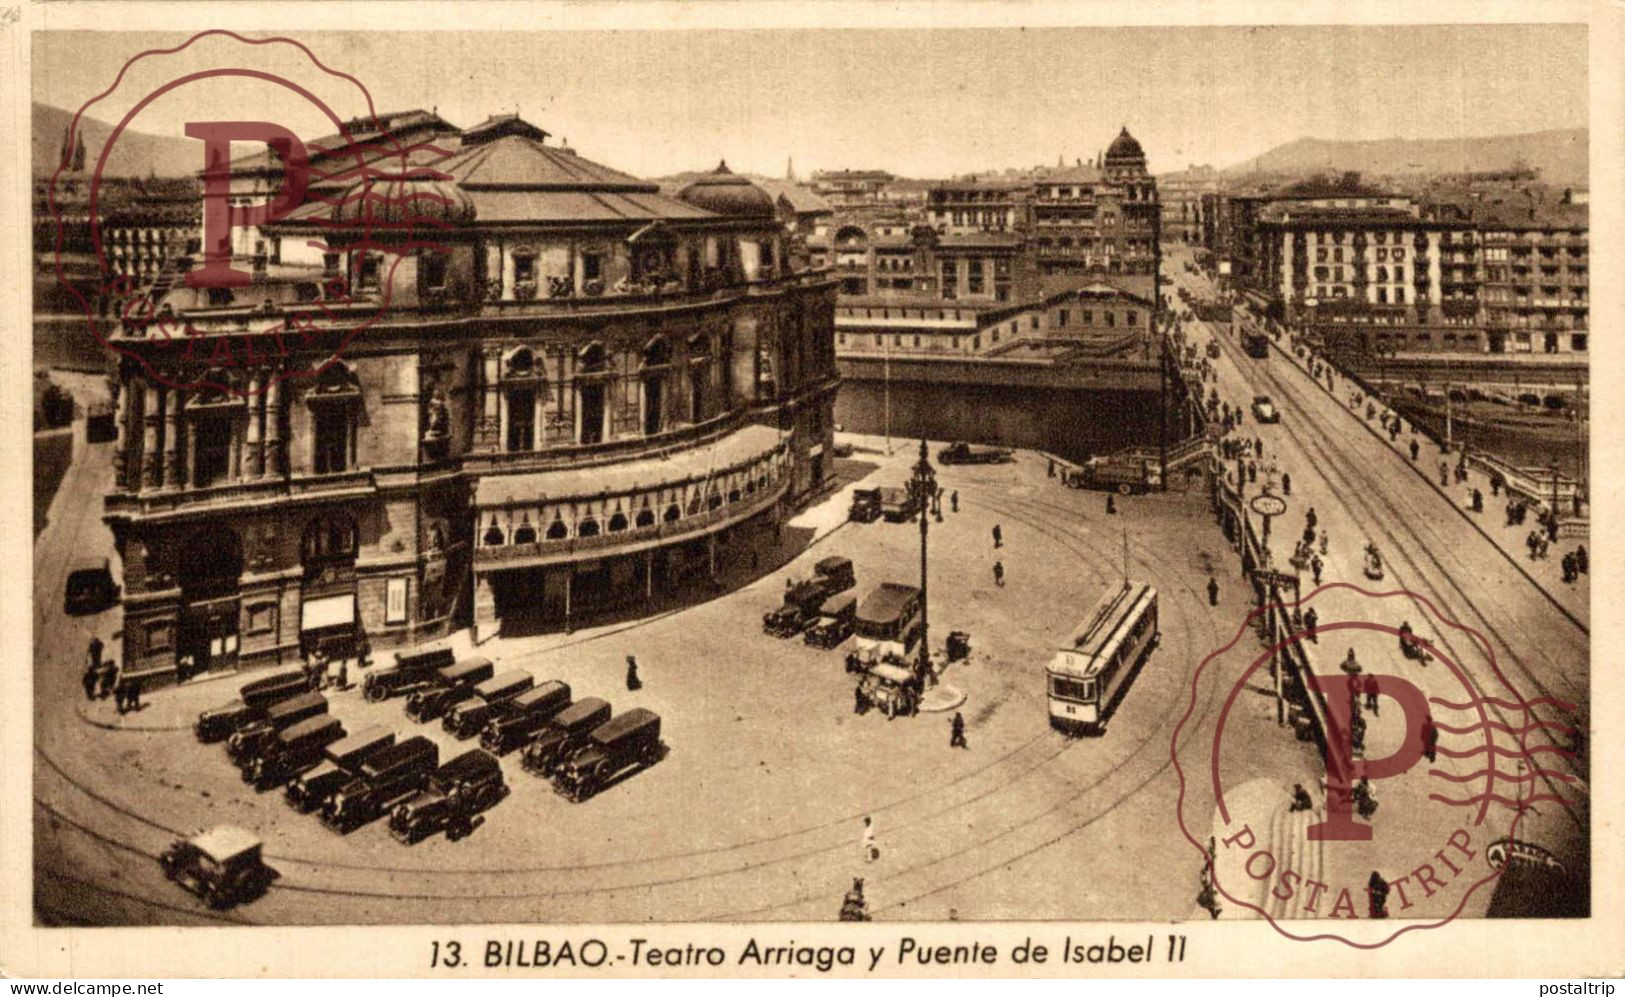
x=578, y=744
x=820, y=609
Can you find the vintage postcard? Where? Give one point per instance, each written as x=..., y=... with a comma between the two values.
x=751, y=489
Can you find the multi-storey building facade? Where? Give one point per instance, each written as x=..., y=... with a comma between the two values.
x=573, y=392
x=1371, y=270
x=1102, y=219
x=977, y=206
x=1181, y=195
x=846, y=188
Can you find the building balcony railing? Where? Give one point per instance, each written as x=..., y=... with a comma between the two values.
x=163, y=501
x=632, y=539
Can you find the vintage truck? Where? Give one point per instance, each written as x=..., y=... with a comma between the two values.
x=563, y=734
x=392, y=776
x=798, y=610
x=250, y=739
x=341, y=764
x=835, y=618
x=218, y=723
x=490, y=700
x=412, y=670
x=291, y=752
x=1127, y=473
x=614, y=749
x=528, y=713
x=467, y=785
x=964, y=453
x=452, y=685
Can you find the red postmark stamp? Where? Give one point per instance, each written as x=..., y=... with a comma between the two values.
x=1373, y=773
x=341, y=213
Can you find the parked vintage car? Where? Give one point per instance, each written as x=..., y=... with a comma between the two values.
x=342, y=763
x=218, y=723
x=413, y=670
x=897, y=505
x=835, y=617
x=247, y=741
x=615, y=748
x=453, y=684
x=964, y=453
x=1264, y=409
x=490, y=700
x=292, y=751
x=865, y=506
x=836, y=573
x=468, y=784
x=392, y=776
x=528, y=713
x=223, y=866
x=90, y=587
x=799, y=608
x=1213, y=349
x=563, y=734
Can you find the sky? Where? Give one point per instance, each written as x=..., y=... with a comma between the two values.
x=926, y=103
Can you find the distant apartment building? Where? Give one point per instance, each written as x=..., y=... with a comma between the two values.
x=842, y=188
x=1181, y=195
x=978, y=206
x=1099, y=219
x=1370, y=270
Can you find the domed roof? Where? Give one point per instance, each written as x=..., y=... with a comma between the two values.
x=1125, y=150
x=724, y=192
x=394, y=200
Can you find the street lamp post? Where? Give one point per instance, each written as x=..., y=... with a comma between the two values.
x=924, y=487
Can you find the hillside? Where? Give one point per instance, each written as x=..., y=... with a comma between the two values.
x=135, y=155
x=1559, y=154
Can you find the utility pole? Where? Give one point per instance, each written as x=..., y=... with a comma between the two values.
x=886, y=403
x=924, y=485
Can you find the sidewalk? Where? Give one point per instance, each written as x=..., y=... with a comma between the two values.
x=1546, y=574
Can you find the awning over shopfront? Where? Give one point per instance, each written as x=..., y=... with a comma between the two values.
x=332, y=611
x=740, y=447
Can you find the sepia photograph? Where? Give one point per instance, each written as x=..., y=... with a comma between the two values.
x=784, y=475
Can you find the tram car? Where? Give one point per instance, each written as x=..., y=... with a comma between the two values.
x=1092, y=671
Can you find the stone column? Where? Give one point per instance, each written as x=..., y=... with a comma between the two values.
x=121, y=443
x=256, y=428
x=172, y=467
x=488, y=434
x=275, y=462
x=151, y=460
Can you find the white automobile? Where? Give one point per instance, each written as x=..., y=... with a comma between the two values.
x=1264, y=409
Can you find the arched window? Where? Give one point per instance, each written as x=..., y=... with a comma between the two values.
x=656, y=367
x=335, y=402
x=617, y=523
x=493, y=535
x=328, y=539
x=524, y=534
x=592, y=365
x=588, y=528
x=646, y=518
x=557, y=530
x=673, y=513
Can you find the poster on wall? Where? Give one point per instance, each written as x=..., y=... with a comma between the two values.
x=395, y=601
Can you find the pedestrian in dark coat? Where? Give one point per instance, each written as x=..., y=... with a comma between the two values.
x=1495, y=483
x=1415, y=450
x=1568, y=568
x=998, y=537
x=132, y=694
x=955, y=497
x=1478, y=500
x=1111, y=504
x=956, y=734
x=94, y=650
x=1430, y=739
x=633, y=683
x=1377, y=889
x=1582, y=561
x=1310, y=519
x=1286, y=483
x=1311, y=620
x=998, y=573
x=1052, y=467
x=109, y=677
x=1212, y=591
x=92, y=678
x=1252, y=471
x=1371, y=694
x=1316, y=564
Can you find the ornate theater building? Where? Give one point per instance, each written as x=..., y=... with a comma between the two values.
x=576, y=395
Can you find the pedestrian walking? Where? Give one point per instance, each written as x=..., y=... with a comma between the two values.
x=859, y=704
x=1252, y=472
x=1111, y=504
x=108, y=676
x=1532, y=541
x=1286, y=483
x=1311, y=620
x=956, y=734
x=1212, y=591
x=132, y=694
x=1478, y=500
x=1324, y=541
x=1582, y=561
x=1315, y=565
x=1444, y=474
x=1568, y=568
x=1430, y=738
x=853, y=906
x=91, y=679
x=870, y=852
x=1496, y=481
x=1376, y=889
x=1415, y=449
x=1357, y=735
x=998, y=537
x=1052, y=467
x=955, y=498
x=94, y=651
x=1544, y=545
x=633, y=683
x=1310, y=519
x=998, y=573
x=1551, y=529
x=336, y=672
x=1371, y=695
